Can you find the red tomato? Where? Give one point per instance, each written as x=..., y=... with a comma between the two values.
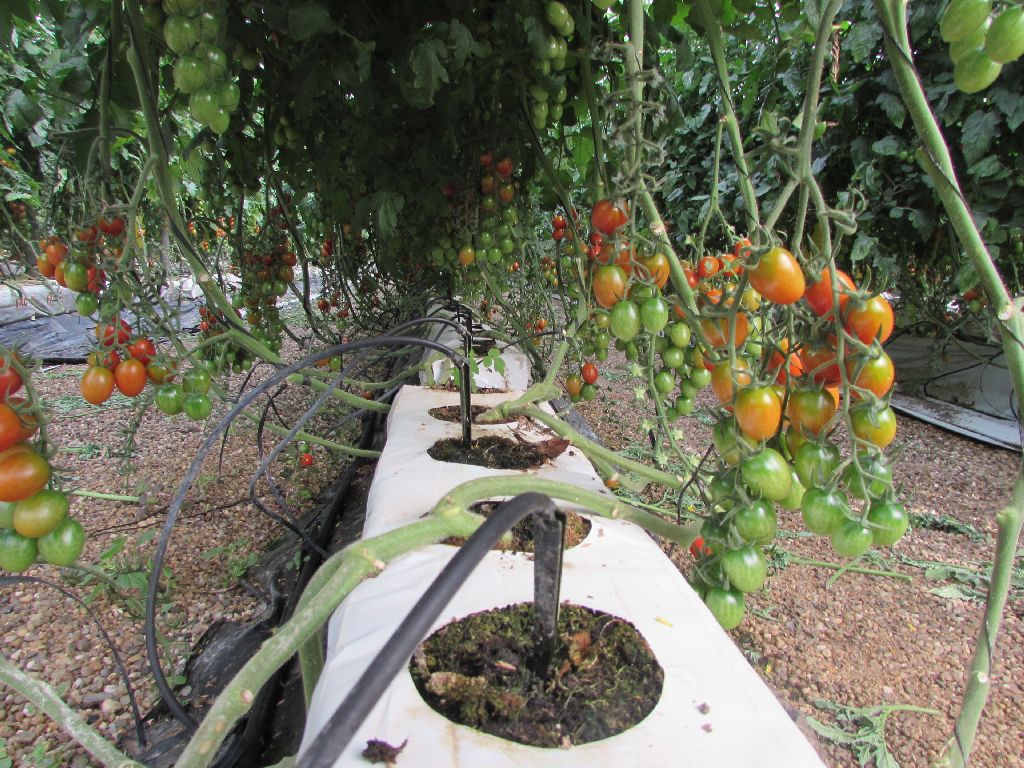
x=46, y=269
x=10, y=380
x=741, y=248
x=709, y=266
x=716, y=330
x=306, y=460
x=722, y=376
x=607, y=217
x=504, y=167
x=87, y=234
x=876, y=375
x=785, y=358
x=97, y=385
x=10, y=427
x=820, y=362
x=23, y=473
x=142, y=350
x=819, y=295
x=657, y=268
x=589, y=373
x=56, y=253
x=778, y=276
x=873, y=320
x=108, y=334
x=106, y=360
x=559, y=222
x=113, y=227
x=58, y=275
x=130, y=377
x=811, y=410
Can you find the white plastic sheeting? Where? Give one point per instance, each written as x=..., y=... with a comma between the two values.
x=516, y=373
x=714, y=709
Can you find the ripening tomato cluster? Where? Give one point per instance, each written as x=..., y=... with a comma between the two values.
x=547, y=91
x=79, y=267
x=781, y=391
x=226, y=356
x=34, y=520
x=486, y=234
x=265, y=279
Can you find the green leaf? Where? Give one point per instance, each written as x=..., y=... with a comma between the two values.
x=427, y=66
x=663, y=11
x=887, y=147
x=893, y=108
x=861, y=40
x=305, y=20
x=979, y=130
x=462, y=42
x=954, y=592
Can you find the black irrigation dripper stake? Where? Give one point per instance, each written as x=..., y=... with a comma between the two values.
x=466, y=382
x=548, y=536
x=343, y=723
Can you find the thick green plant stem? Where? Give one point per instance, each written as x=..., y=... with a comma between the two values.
x=354, y=564
x=935, y=158
x=460, y=497
x=713, y=36
x=43, y=696
x=348, y=450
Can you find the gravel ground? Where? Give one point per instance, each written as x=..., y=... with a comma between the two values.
x=218, y=534
x=870, y=640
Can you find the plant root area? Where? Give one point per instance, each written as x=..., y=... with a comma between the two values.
x=487, y=671
x=488, y=451
x=862, y=641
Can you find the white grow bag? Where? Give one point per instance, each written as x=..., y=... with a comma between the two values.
x=517, y=365
x=714, y=710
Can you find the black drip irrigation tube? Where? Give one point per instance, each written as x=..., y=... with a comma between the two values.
x=549, y=527
x=363, y=347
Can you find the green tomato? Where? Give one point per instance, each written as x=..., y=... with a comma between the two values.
x=851, y=539
x=589, y=392
x=757, y=521
x=196, y=381
x=700, y=377
x=625, y=320
x=824, y=511
x=796, y=493
x=664, y=381
x=197, y=407
x=189, y=74
x=632, y=352
x=63, y=544
x=768, y=474
x=86, y=303
x=888, y=522
x=726, y=605
x=180, y=33
x=673, y=357
x=746, y=568
x=815, y=463
x=873, y=481
x=684, y=405
x=17, y=552
x=7, y=514
x=39, y=514
x=76, y=276
x=654, y=314
x=679, y=334
x=170, y=399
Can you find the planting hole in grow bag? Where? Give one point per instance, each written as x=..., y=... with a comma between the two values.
x=480, y=671
x=488, y=451
x=576, y=530
x=454, y=413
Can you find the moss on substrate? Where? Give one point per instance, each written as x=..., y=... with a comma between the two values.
x=481, y=671
x=488, y=451
x=576, y=530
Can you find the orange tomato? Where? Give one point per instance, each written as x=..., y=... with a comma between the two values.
x=819, y=294
x=874, y=319
x=778, y=276
x=722, y=376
